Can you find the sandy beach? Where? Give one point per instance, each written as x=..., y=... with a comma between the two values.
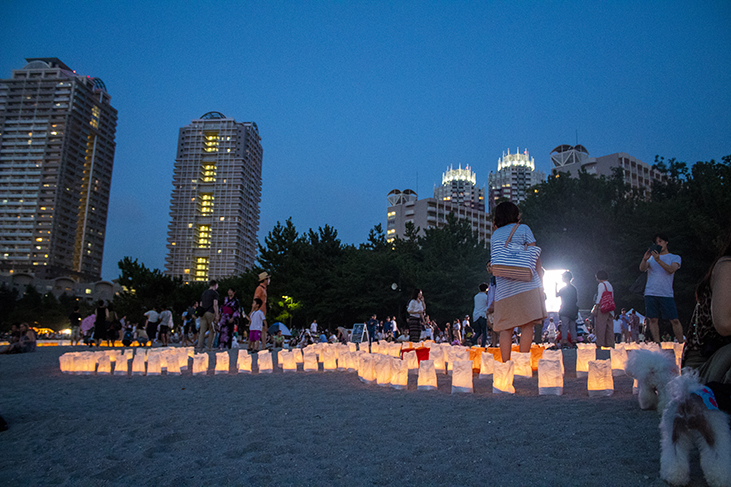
x=316, y=428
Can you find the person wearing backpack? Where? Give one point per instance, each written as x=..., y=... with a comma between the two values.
x=602, y=311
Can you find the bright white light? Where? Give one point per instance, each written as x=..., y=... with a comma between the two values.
x=551, y=283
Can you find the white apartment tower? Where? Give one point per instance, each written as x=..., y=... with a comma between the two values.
x=460, y=187
x=214, y=208
x=516, y=174
x=57, y=145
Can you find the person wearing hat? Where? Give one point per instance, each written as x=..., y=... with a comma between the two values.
x=261, y=293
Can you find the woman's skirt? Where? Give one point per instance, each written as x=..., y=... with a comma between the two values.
x=414, y=328
x=520, y=310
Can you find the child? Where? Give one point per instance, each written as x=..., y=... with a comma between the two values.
x=257, y=324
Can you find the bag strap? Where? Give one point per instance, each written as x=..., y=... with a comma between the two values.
x=511, y=234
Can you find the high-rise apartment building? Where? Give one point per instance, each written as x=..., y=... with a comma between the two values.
x=214, y=208
x=57, y=147
x=460, y=187
x=638, y=174
x=516, y=174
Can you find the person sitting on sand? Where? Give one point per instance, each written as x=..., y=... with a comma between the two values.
x=26, y=342
x=278, y=339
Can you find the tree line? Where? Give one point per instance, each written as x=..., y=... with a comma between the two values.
x=583, y=223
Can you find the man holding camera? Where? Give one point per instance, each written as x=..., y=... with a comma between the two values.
x=659, y=298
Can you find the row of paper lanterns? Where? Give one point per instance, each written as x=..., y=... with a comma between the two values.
x=382, y=365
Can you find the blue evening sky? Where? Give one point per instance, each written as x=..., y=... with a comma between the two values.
x=354, y=99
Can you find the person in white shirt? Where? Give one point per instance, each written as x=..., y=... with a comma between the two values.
x=661, y=265
x=258, y=320
x=603, y=324
x=313, y=327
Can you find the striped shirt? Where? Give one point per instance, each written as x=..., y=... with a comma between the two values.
x=506, y=288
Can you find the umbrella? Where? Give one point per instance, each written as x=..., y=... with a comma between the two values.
x=279, y=327
x=88, y=323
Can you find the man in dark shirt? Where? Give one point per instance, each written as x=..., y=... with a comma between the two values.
x=75, y=323
x=569, y=311
x=371, y=325
x=209, y=303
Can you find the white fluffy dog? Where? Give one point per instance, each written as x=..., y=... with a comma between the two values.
x=690, y=419
x=652, y=370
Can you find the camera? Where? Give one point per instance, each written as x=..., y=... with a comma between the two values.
x=655, y=248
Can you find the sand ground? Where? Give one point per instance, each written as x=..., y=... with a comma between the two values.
x=317, y=428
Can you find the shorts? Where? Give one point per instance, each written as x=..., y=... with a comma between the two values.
x=254, y=335
x=164, y=329
x=660, y=307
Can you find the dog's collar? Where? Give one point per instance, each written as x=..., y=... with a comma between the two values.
x=709, y=399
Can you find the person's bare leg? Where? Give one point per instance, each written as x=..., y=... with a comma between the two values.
x=505, y=344
x=526, y=337
x=678, y=330
x=655, y=330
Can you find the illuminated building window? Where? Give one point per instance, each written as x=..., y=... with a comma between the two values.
x=208, y=172
x=204, y=236
x=206, y=203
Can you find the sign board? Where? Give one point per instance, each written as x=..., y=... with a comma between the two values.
x=357, y=335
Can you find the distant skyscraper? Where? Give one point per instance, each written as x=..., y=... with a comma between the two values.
x=460, y=187
x=516, y=173
x=56, y=158
x=214, y=207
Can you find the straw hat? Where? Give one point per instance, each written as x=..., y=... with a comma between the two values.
x=263, y=276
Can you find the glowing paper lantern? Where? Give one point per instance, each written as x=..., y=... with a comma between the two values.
x=462, y=376
x=121, y=364
x=411, y=361
x=279, y=357
x=456, y=354
x=536, y=353
x=399, y=374
x=487, y=362
x=200, y=364
x=343, y=360
x=427, y=376
x=600, y=382
x=65, y=362
x=375, y=347
x=264, y=362
x=243, y=362
x=138, y=364
x=383, y=370
x=105, y=365
x=667, y=345
x=584, y=346
x=221, y=363
x=555, y=355
x=154, y=363
x=183, y=358
x=618, y=357
x=367, y=369
x=87, y=363
x=298, y=358
x=310, y=360
x=436, y=355
x=329, y=362
x=289, y=362
x=583, y=357
x=502, y=377
x=550, y=377
x=172, y=360
x=521, y=363
x=678, y=349
x=363, y=347
x=352, y=347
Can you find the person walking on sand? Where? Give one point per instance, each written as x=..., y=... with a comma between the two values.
x=261, y=293
x=209, y=303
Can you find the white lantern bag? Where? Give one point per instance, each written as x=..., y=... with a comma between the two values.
x=600, y=382
x=550, y=377
x=487, y=362
x=121, y=364
x=154, y=363
x=618, y=357
x=343, y=360
x=65, y=362
x=427, y=376
x=411, y=361
x=310, y=360
x=399, y=374
x=462, y=376
x=200, y=364
x=298, y=358
x=502, y=377
x=363, y=347
x=375, y=347
x=105, y=365
x=87, y=363
x=221, y=363
x=383, y=370
x=289, y=362
x=521, y=363
x=264, y=362
x=436, y=355
x=244, y=361
x=329, y=362
x=583, y=356
x=555, y=355
x=367, y=369
x=352, y=347
x=138, y=364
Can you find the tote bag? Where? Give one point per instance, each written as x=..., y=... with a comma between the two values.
x=515, y=261
x=606, y=303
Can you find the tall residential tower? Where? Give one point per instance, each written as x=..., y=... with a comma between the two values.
x=214, y=208
x=57, y=147
x=516, y=173
x=460, y=187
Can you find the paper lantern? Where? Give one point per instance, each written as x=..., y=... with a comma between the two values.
x=502, y=377
x=310, y=360
x=183, y=358
x=129, y=354
x=279, y=357
x=456, y=354
x=555, y=355
x=411, y=361
x=221, y=363
x=536, y=353
x=367, y=369
x=399, y=374
x=87, y=363
x=264, y=362
x=329, y=362
x=427, y=380
x=407, y=345
x=495, y=351
x=243, y=362
x=600, y=382
x=200, y=364
x=635, y=388
x=383, y=370
x=618, y=357
x=584, y=346
x=436, y=355
x=583, y=357
x=667, y=345
x=121, y=364
x=138, y=364
x=298, y=358
x=105, y=365
x=375, y=347
x=154, y=363
x=476, y=357
x=172, y=360
x=521, y=364
x=65, y=362
x=678, y=349
x=550, y=377
x=289, y=362
x=462, y=376
x=487, y=362
x=343, y=360
x=352, y=347
x=632, y=346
